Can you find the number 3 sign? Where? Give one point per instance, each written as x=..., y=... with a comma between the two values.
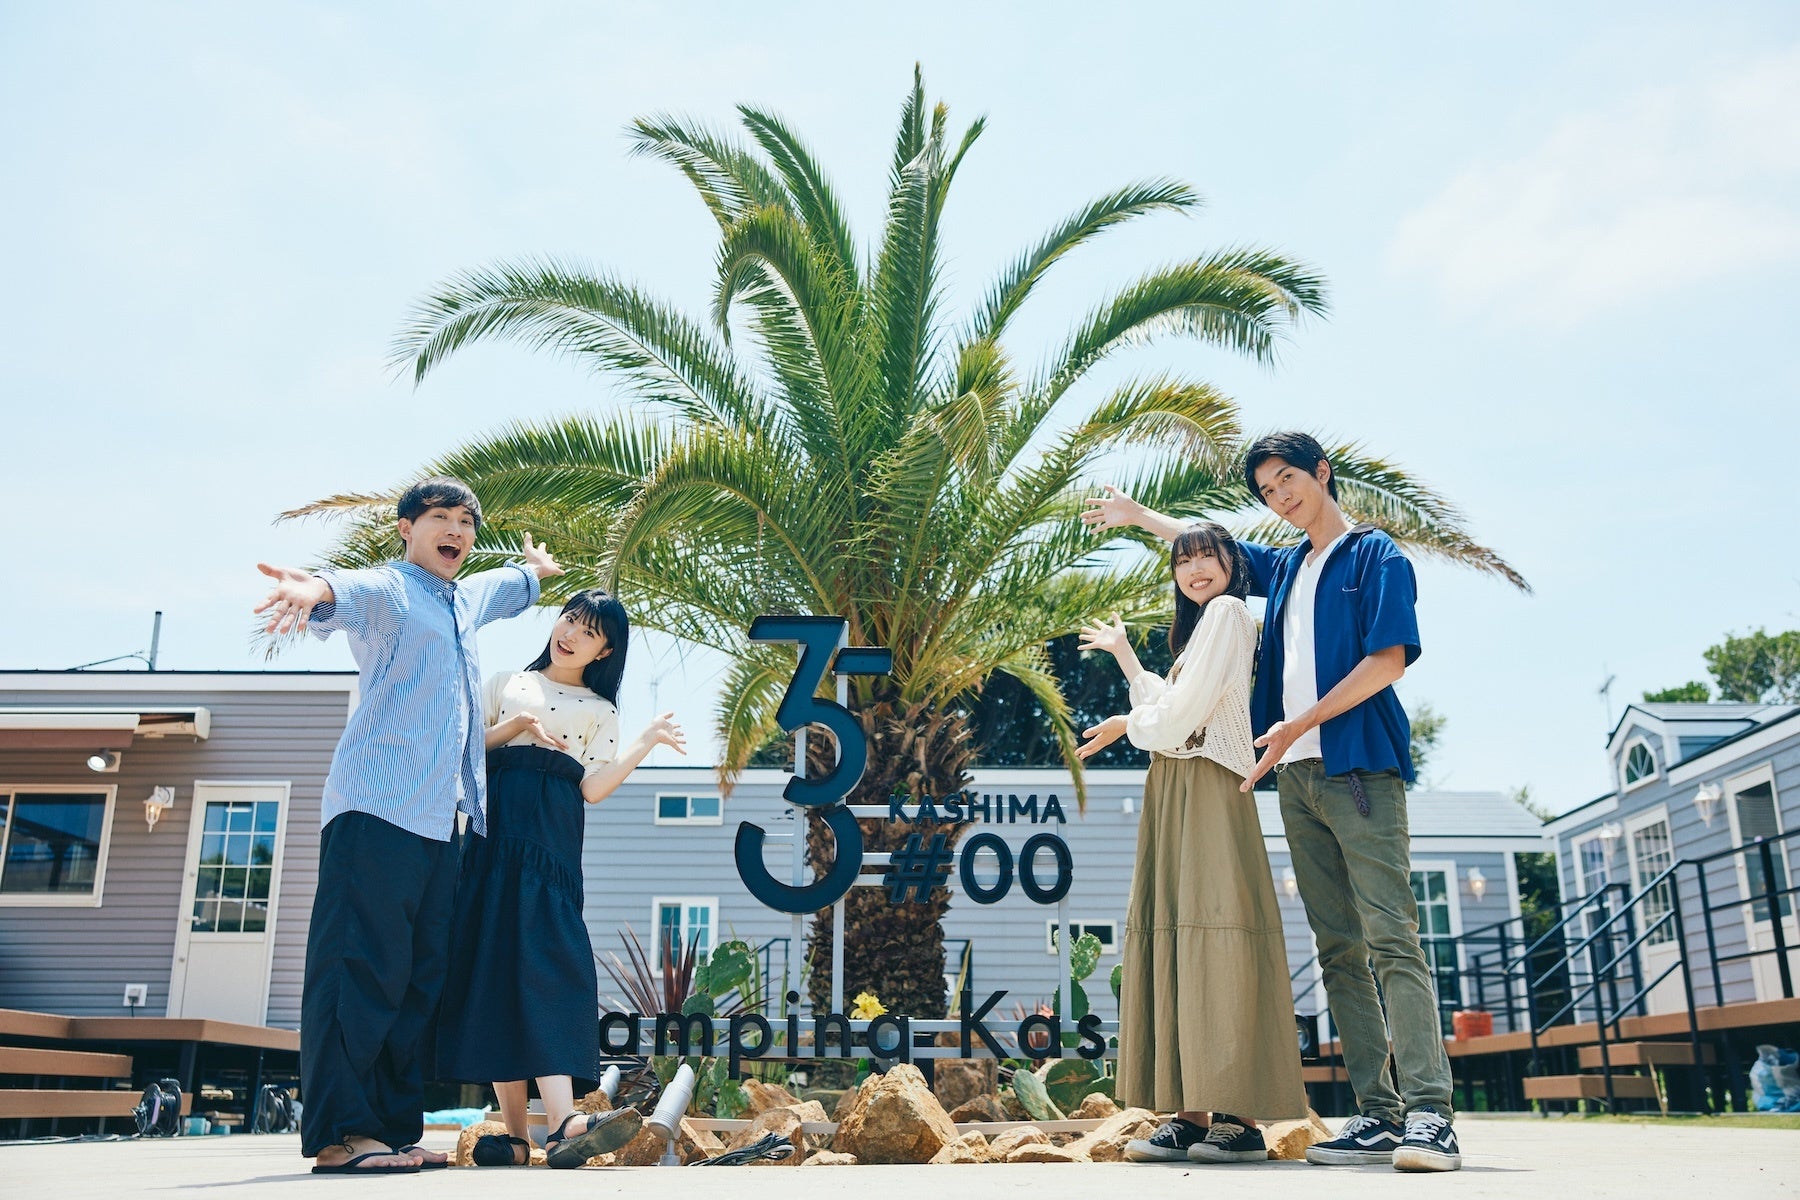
x=818, y=638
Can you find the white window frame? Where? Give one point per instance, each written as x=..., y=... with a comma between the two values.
x=66, y=899
x=1643, y=820
x=1734, y=786
x=1625, y=761
x=656, y=809
x=658, y=903
x=1575, y=847
x=1106, y=950
x=1453, y=899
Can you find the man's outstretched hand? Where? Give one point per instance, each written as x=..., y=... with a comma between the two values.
x=292, y=599
x=538, y=559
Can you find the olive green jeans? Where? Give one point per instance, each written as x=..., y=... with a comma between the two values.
x=1355, y=874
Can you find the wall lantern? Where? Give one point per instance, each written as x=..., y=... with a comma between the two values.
x=1610, y=833
x=1477, y=883
x=160, y=799
x=1706, y=801
x=104, y=761
x=1290, y=882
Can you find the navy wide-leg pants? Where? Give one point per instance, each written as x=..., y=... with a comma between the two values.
x=375, y=961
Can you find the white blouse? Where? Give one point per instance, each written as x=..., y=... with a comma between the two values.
x=588, y=723
x=1203, y=709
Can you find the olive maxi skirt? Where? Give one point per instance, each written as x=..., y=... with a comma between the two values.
x=1206, y=1013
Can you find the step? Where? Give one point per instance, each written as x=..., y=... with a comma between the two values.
x=79, y=1063
x=1645, y=1054
x=1589, y=1087
x=22, y=1102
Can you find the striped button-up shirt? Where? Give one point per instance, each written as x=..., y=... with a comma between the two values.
x=412, y=752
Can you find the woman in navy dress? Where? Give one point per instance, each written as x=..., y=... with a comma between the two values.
x=522, y=1000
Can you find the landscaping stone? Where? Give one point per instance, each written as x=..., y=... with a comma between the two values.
x=784, y=1122
x=1107, y=1142
x=826, y=1098
x=894, y=1119
x=830, y=1158
x=1009, y=1104
x=1041, y=1152
x=956, y=1081
x=1024, y=1135
x=1289, y=1139
x=764, y=1096
x=971, y=1147
x=980, y=1108
x=1095, y=1106
x=594, y=1102
x=646, y=1149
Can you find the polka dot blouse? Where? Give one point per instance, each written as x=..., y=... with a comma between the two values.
x=588, y=723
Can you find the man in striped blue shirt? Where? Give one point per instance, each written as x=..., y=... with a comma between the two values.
x=410, y=759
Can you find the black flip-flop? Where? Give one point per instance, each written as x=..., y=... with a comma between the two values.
x=605, y=1132
x=427, y=1165
x=349, y=1167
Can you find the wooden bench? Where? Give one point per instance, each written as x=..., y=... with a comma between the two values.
x=1589, y=1087
x=81, y=1064
x=29, y=1103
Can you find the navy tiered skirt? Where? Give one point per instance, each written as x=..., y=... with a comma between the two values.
x=522, y=998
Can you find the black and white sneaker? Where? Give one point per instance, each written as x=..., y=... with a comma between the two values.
x=1429, y=1143
x=1364, y=1142
x=1169, y=1143
x=1229, y=1140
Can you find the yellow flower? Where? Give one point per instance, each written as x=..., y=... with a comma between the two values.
x=867, y=1007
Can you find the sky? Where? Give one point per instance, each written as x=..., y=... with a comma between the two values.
x=1559, y=240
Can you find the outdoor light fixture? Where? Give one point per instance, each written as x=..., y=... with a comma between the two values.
x=665, y=1122
x=1706, y=801
x=1477, y=883
x=1128, y=805
x=1610, y=833
x=160, y=799
x=104, y=761
x=1290, y=882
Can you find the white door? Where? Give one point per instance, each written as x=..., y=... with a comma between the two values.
x=226, y=929
x=1651, y=853
x=1755, y=814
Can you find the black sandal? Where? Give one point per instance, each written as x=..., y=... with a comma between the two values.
x=350, y=1166
x=496, y=1150
x=605, y=1132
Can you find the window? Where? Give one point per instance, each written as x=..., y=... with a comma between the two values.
x=681, y=921
x=1106, y=931
x=1651, y=855
x=237, y=855
x=1431, y=892
x=1753, y=811
x=1691, y=746
x=53, y=845
x=689, y=810
x=1590, y=858
x=1640, y=764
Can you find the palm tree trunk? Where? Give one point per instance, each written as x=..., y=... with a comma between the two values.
x=895, y=951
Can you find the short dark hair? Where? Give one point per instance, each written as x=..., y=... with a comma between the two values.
x=1212, y=539
x=440, y=491
x=1292, y=447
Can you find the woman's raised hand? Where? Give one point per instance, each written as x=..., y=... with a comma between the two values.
x=1100, y=737
x=1109, y=636
x=665, y=732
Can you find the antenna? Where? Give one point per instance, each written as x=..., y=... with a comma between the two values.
x=1605, y=694
x=148, y=658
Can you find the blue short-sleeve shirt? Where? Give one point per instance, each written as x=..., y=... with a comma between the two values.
x=1366, y=602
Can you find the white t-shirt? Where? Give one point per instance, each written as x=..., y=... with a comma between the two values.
x=1299, y=668
x=588, y=723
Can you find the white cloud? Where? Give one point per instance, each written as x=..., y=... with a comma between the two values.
x=1668, y=188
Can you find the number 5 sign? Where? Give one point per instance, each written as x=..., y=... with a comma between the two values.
x=818, y=638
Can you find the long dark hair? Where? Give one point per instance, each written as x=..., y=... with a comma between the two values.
x=1206, y=537
x=599, y=609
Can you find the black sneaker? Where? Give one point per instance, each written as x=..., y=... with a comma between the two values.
x=1429, y=1143
x=1169, y=1143
x=1364, y=1142
x=1229, y=1141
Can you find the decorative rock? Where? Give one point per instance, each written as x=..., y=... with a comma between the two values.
x=594, y=1102
x=846, y=1104
x=971, y=1147
x=1024, y=1135
x=1041, y=1152
x=1289, y=1139
x=826, y=1098
x=1095, y=1106
x=955, y=1081
x=895, y=1119
x=784, y=1122
x=765, y=1096
x=1009, y=1104
x=981, y=1108
x=1107, y=1142
x=830, y=1158
x=646, y=1149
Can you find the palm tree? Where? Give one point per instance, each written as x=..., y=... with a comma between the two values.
x=833, y=440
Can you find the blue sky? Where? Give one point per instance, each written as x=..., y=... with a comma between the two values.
x=1559, y=240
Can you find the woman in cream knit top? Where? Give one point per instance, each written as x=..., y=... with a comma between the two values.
x=1203, y=709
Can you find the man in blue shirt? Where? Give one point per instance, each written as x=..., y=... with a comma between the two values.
x=410, y=760
x=1339, y=631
